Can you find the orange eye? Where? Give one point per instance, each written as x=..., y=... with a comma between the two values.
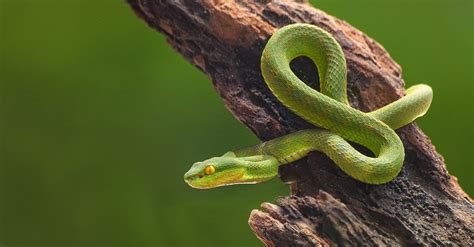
x=210, y=169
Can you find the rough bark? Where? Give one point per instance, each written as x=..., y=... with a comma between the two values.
x=224, y=39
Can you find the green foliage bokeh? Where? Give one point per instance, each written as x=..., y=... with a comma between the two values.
x=100, y=118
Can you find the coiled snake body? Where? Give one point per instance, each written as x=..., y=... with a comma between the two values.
x=328, y=109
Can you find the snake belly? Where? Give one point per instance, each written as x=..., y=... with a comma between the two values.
x=327, y=109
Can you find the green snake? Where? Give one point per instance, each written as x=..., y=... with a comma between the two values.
x=328, y=109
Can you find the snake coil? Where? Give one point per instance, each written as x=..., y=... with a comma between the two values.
x=328, y=109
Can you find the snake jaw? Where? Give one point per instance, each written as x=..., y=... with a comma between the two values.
x=201, y=183
x=230, y=170
x=226, y=169
x=218, y=179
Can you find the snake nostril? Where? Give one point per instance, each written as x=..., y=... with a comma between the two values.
x=200, y=176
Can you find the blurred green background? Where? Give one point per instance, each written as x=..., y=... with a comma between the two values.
x=100, y=118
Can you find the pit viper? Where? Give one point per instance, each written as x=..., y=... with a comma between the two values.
x=327, y=109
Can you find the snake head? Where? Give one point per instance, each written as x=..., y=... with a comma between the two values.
x=229, y=169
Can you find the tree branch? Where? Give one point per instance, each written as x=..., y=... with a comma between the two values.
x=224, y=39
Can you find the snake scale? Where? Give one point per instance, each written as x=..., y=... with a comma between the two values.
x=328, y=109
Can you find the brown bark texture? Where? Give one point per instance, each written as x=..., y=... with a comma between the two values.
x=423, y=206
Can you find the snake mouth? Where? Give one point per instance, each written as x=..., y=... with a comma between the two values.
x=190, y=183
x=203, y=181
x=191, y=180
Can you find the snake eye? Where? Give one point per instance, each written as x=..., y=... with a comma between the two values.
x=210, y=169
